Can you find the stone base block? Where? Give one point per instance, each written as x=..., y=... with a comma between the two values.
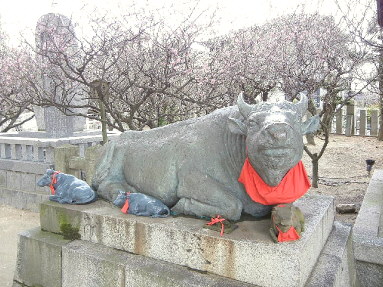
x=39, y=259
x=88, y=264
x=336, y=266
x=22, y=200
x=368, y=234
x=248, y=254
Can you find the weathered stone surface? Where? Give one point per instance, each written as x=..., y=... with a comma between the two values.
x=39, y=258
x=22, y=199
x=369, y=274
x=62, y=155
x=23, y=166
x=248, y=254
x=14, y=180
x=368, y=234
x=28, y=181
x=335, y=266
x=3, y=178
x=88, y=264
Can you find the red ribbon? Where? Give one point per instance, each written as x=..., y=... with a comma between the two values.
x=215, y=220
x=54, y=181
x=125, y=208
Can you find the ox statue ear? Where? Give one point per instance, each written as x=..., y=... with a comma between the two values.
x=311, y=125
x=50, y=171
x=237, y=127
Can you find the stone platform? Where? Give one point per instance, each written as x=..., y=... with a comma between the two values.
x=248, y=254
x=179, y=251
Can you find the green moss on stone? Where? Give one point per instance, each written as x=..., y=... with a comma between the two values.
x=68, y=231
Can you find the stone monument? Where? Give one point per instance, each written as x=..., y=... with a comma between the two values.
x=55, y=32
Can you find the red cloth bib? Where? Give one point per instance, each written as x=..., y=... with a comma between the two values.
x=290, y=235
x=294, y=185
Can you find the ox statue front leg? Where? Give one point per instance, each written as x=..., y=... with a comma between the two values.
x=202, y=195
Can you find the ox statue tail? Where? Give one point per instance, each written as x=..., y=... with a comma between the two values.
x=104, y=165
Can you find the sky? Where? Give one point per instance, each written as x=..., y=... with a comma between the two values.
x=20, y=16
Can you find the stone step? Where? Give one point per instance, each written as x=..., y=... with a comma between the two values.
x=39, y=259
x=368, y=234
x=46, y=259
x=247, y=254
x=336, y=266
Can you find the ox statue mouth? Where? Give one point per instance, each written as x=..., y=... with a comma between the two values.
x=277, y=152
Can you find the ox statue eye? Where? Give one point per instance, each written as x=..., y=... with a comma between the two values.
x=253, y=122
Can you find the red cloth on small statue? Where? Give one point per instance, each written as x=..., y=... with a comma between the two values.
x=125, y=208
x=290, y=235
x=293, y=185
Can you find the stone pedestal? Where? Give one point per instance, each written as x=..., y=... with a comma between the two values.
x=179, y=251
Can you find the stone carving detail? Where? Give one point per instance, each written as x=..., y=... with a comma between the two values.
x=193, y=166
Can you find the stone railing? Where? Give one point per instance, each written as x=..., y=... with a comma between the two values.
x=24, y=159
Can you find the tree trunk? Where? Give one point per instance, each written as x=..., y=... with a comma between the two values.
x=315, y=170
x=103, y=123
x=310, y=139
x=265, y=96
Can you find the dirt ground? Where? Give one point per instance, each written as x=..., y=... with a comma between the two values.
x=342, y=169
x=12, y=221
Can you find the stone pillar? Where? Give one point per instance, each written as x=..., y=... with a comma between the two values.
x=350, y=120
x=362, y=122
x=374, y=123
x=339, y=121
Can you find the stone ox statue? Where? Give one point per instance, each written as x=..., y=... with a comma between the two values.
x=193, y=166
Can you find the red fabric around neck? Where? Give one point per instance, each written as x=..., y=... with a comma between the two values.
x=290, y=235
x=294, y=185
x=54, y=181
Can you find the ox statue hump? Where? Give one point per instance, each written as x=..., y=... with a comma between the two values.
x=193, y=166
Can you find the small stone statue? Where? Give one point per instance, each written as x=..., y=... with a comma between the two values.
x=141, y=204
x=66, y=188
x=287, y=223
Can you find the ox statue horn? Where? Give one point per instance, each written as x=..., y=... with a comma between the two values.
x=244, y=108
x=302, y=105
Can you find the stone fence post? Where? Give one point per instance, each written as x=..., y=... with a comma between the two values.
x=68, y=160
x=374, y=123
x=350, y=120
x=363, y=123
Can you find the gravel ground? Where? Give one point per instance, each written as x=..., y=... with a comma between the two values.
x=342, y=169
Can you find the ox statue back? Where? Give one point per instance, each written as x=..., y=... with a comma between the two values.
x=193, y=166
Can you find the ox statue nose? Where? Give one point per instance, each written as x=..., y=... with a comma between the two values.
x=278, y=131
